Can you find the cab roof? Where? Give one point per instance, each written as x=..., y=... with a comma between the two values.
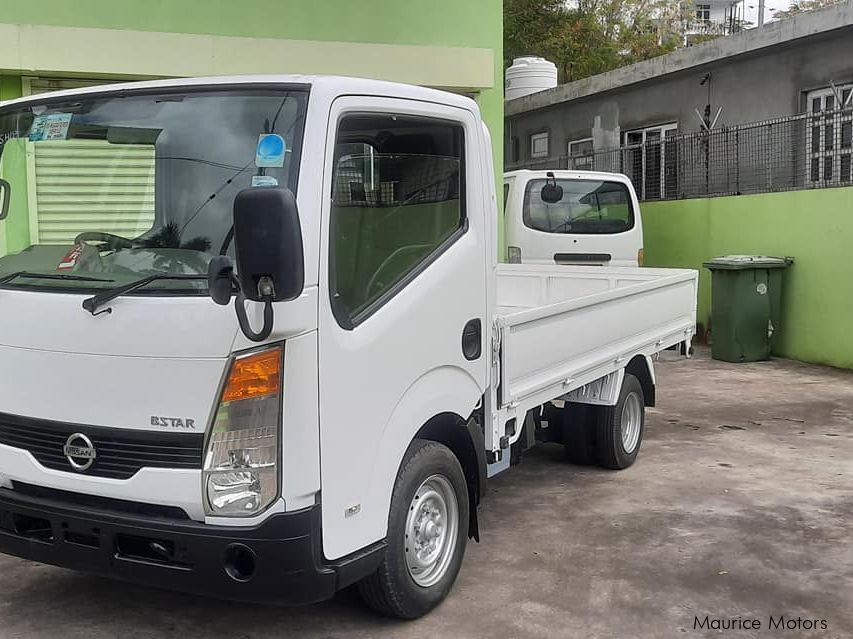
x=328, y=85
x=567, y=174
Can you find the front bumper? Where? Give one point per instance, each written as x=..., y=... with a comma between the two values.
x=279, y=561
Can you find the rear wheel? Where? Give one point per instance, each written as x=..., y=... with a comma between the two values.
x=621, y=430
x=427, y=534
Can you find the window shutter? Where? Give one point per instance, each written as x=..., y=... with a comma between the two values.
x=89, y=185
x=92, y=185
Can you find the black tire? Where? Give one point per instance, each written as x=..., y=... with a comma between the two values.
x=579, y=433
x=610, y=449
x=391, y=590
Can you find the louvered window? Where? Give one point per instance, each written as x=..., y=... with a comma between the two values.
x=88, y=185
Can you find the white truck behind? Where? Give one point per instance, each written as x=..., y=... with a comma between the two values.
x=341, y=425
x=572, y=217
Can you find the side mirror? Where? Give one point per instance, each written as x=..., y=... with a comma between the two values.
x=5, y=198
x=270, y=263
x=220, y=279
x=551, y=191
x=268, y=244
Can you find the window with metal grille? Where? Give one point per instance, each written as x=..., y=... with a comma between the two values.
x=539, y=145
x=829, y=139
x=648, y=159
x=581, y=154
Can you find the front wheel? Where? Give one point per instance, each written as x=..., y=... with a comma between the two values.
x=621, y=429
x=427, y=534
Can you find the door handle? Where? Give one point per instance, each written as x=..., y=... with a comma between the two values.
x=472, y=339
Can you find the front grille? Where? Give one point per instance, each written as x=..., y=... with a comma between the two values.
x=121, y=453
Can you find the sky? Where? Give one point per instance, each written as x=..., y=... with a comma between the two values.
x=770, y=7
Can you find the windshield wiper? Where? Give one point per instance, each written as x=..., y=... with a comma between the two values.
x=50, y=276
x=92, y=304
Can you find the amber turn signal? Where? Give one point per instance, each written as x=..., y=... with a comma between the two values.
x=255, y=375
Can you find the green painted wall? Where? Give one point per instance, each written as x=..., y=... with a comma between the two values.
x=13, y=167
x=14, y=233
x=814, y=226
x=445, y=22
x=10, y=87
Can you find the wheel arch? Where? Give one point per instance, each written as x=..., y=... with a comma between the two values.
x=465, y=440
x=432, y=408
x=642, y=368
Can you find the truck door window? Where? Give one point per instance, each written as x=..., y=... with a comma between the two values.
x=397, y=202
x=587, y=207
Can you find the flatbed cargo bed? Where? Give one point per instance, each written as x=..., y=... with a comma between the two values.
x=560, y=328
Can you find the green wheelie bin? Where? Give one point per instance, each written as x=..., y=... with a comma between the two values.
x=746, y=296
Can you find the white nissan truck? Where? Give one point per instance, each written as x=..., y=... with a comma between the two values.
x=255, y=342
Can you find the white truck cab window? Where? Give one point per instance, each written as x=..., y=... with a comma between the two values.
x=397, y=201
x=587, y=206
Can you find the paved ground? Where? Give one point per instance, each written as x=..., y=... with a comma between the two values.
x=741, y=505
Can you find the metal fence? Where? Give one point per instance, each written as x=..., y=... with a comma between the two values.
x=810, y=150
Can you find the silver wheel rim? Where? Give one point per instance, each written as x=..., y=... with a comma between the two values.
x=432, y=525
x=631, y=419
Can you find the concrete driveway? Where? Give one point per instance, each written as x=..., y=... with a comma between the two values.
x=740, y=506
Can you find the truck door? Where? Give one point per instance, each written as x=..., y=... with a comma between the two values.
x=402, y=277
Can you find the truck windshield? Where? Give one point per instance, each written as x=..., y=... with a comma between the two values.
x=114, y=187
x=587, y=207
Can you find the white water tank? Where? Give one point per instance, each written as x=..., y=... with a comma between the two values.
x=529, y=75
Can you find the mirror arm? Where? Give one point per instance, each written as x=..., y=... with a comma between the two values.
x=220, y=271
x=243, y=319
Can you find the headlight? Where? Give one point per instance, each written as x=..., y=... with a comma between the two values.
x=241, y=462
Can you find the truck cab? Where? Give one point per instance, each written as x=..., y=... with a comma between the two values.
x=572, y=217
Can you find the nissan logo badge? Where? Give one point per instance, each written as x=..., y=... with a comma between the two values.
x=79, y=451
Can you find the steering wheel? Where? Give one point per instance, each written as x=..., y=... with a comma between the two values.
x=397, y=262
x=110, y=242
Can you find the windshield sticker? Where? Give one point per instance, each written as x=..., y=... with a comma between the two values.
x=264, y=180
x=50, y=127
x=9, y=135
x=270, y=151
x=71, y=258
